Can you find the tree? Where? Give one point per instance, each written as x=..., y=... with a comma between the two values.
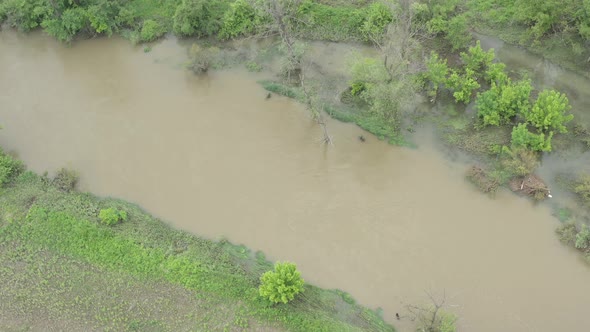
x=282, y=284
x=463, y=86
x=549, y=112
x=477, y=60
x=198, y=17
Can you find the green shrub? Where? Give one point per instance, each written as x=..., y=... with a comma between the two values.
x=457, y=34
x=583, y=238
x=198, y=17
x=324, y=22
x=567, y=233
x=71, y=21
x=523, y=138
x=112, y=216
x=241, y=19
x=436, y=74
x=582, y=188
x=10, y=168
x=25, y=14
x=463, y=86
x=151, y=30
x=549, y=112
x=496, y=73
x=65, y=179
x=378, y=17
x=282, y=284
x=477, y=60
x=499, y=104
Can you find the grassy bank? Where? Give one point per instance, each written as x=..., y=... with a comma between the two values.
x=64, y=268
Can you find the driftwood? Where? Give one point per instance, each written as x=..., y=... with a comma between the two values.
x=531, y=186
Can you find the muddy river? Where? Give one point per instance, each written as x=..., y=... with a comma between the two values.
x=210, y=155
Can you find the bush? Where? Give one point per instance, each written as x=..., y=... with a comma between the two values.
x=436, y=74
x=582, y=188
x=151, y=30
x=241, y=19
x=477, y=60
x=462, y=86
x=549, y=112
x=25, y=14
x=71, y=21
x=523, y=138
x=567, y=233
x=202, y=58
x=112, y=216
x=282, y=284
x=583, y=238
x=501, y=103
x=378, y=18
x=66, y=179
x=519, y=161
x=198, y=17
x=10, y=168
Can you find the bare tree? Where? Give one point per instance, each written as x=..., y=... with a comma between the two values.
x=432, y=317
x=284, y=20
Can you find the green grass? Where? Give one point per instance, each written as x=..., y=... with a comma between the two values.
x=61, y=264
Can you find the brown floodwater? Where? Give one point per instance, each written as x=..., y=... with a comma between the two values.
x=210, y=155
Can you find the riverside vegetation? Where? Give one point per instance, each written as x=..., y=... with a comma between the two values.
x=425, y=55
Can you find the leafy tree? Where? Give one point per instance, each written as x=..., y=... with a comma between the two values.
x=457, y=34
x=282, y=284
x=502, y=102
x=549, y=112
x=523, y=138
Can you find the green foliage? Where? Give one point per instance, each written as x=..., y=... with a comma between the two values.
x=199, y=18
x=444, y=18
x=436, y=73
x=65, y=179
x=378, y=17
x=477, y=60
x=518, y=161
x=282, y=284
x=240, y=20
x=496, y=73
x=151, y=30
x=499, y=104
x=457, y=34
x=10, y=168
x=582, y=188
x=567, y=233
x=583, y=238
x=333, y=23
x=549, y=112
x=463, y=85
x=71, y=21
x=25, y=15
x=523, y=138
x=112, y=216
x=447, y=322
